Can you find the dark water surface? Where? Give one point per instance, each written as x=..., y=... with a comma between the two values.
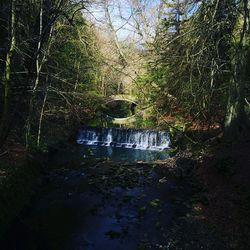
x=87, y=204
x=121, y=154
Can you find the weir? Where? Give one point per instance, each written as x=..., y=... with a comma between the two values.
x=127, y=138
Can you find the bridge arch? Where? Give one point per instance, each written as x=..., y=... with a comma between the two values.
x=125, y=98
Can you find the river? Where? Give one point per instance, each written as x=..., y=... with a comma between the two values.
x=86, y=201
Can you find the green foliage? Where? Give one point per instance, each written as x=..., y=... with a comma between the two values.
x=118, y=109
x=57, y=56
x=60, y=72
x=146, y=123
x=189, y=64
x=37, y=149
x=73, y=54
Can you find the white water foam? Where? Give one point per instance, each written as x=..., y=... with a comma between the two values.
x=127, y=138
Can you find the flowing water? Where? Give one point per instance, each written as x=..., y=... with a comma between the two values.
x=87, y=203
x=123, y=144
x=126, y=138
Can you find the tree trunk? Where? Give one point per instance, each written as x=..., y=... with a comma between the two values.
x=236, y=121
x=41, y=119
x=38, y=67
x=4, y=128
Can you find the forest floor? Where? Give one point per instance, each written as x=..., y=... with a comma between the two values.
x=225, y=174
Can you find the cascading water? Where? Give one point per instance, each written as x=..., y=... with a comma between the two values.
x=127, y=138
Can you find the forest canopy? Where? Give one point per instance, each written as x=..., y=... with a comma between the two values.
x=183, y=60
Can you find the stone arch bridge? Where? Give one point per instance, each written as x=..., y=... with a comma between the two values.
x=126, y=98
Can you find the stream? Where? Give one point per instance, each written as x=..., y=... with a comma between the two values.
x=102, y=197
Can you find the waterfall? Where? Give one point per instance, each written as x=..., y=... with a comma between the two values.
x=127, y=138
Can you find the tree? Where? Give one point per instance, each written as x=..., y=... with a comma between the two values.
x=236, y=121
x=6, y=77
x=201, y=61
x=29, y=31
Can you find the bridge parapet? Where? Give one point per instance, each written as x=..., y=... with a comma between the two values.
x=126, y=98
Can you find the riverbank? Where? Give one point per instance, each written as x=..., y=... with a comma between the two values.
x=18, y=184
x=224, y=172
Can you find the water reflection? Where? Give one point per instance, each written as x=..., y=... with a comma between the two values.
x=122, y=154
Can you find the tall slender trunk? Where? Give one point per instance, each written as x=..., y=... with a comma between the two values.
x=77, y=76
x=41, y=118
x=4, y=128
x=236, y=122
x=37, y=73
x=39, y=62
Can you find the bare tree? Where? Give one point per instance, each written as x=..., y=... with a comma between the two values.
x=7, y=73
